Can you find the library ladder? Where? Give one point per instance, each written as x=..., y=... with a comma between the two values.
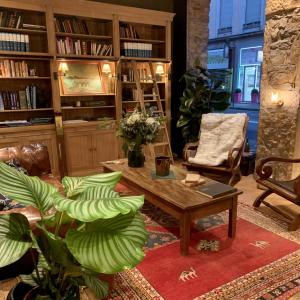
x=162, y=145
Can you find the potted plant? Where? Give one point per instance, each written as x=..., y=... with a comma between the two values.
x=254, y=96
x=237, y=96
x=204, y=92
x=89, y=231
x=137, y=129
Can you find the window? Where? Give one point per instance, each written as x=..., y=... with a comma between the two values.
x=253, y=11
x=226, y=8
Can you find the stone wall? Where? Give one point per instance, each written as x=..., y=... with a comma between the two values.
x=280, y=75
x=197, y=31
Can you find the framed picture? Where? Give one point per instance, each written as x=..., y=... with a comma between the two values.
x=80, y=78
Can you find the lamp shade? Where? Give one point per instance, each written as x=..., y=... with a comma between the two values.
x=106, y=69
x=160, y=70
x=63, y=67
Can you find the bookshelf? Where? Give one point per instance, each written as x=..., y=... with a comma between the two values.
x=78, y=126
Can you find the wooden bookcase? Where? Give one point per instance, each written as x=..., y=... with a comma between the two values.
x=78, y=126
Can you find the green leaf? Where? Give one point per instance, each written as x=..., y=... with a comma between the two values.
x=98, y=287
x=98, y=203
x=25, y=189
x=15, y=238
x=76, y=185
x=52, y=220
x=109, y=246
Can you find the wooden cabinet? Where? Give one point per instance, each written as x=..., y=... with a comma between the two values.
x=87, y=146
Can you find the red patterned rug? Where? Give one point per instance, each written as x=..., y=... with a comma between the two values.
x=257, y=264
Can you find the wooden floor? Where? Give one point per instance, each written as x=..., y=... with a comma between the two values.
x=247, y=184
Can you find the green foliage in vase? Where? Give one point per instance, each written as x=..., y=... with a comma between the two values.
x=89, y=231
x=204, y=93
x=139, y=128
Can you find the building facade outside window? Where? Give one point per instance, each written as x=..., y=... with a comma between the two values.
x=236, y=33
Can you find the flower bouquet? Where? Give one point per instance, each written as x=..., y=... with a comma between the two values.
x=137, y=129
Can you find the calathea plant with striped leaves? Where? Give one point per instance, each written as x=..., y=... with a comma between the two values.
x=91, y=230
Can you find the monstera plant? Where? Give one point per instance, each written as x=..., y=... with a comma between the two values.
x=89, y=231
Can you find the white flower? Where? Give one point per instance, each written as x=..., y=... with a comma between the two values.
x=135, y=117
x=150, y=121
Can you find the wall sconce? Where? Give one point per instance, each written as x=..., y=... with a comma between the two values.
x=275, y=99
x=63, y=68
x=106, y=69
x=160, y=70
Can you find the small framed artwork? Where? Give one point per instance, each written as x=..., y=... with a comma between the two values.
x=80, y=78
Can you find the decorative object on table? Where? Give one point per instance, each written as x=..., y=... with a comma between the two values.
x=208, y=245
x=193, y=179
x=204, y=92
x=75, y=232
x=162, y=165
x=171, y=175
x=137, y=129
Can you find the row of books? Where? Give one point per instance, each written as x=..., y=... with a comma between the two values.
x=137, y=49
x=14, y=42
x=32, y=121
x=10, y=19
x=13, y=100
x=128, y=31
x=71, y=25
x=78, y=47
x=11, y=68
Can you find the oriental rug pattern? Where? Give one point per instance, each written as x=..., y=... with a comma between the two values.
x=262, y=263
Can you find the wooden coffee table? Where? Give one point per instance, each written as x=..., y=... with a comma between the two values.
x=174, y=198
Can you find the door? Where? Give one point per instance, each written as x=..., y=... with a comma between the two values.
x=105, y=146
x=79, y=152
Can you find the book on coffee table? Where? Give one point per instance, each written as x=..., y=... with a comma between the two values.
x=215, y=189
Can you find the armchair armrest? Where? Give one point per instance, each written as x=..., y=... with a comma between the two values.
x=264, y=172
x=188, y=148
x=231, y=157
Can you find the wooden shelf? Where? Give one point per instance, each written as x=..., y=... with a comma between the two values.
x=145, y=59
x=24, y=110
x=142, y=40
x=26, y=78
x=84, y=36
x=26, y=54
x=88, y=107
x=89, y=95
x=85, y=56
x=22, y=30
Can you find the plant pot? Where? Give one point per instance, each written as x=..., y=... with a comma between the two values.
x=237, y=97
x=162, y=165
x=254, y=98
x=136, y=158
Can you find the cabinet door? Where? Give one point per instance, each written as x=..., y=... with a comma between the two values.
x=79, y=152
x=105, y=146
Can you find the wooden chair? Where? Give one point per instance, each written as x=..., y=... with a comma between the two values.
x=289, y=190
x=231, y=166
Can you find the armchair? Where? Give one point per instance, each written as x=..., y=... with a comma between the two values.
x=232, y=153
x=289, y=190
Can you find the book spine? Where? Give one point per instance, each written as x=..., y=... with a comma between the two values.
x=27, y=48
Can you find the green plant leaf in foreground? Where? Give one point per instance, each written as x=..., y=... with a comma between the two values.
x=15, y=238
x=98, y=287
x=109, y=246
x=98, y=203
x=76, y=185
x=25, y=189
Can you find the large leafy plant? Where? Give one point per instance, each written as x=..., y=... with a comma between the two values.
x=89, y=231
x=204, y=92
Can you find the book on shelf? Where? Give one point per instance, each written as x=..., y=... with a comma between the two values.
x=11, y=68
x=214, y=189
x=137, y=49
x=14, y=42
x=128, y=31
x=34, y=26
x=14, y=123
x=79, y=47
x=23, y=99
x=71, y=25
x=10, y=19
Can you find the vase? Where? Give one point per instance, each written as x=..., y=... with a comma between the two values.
x=136, y=158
